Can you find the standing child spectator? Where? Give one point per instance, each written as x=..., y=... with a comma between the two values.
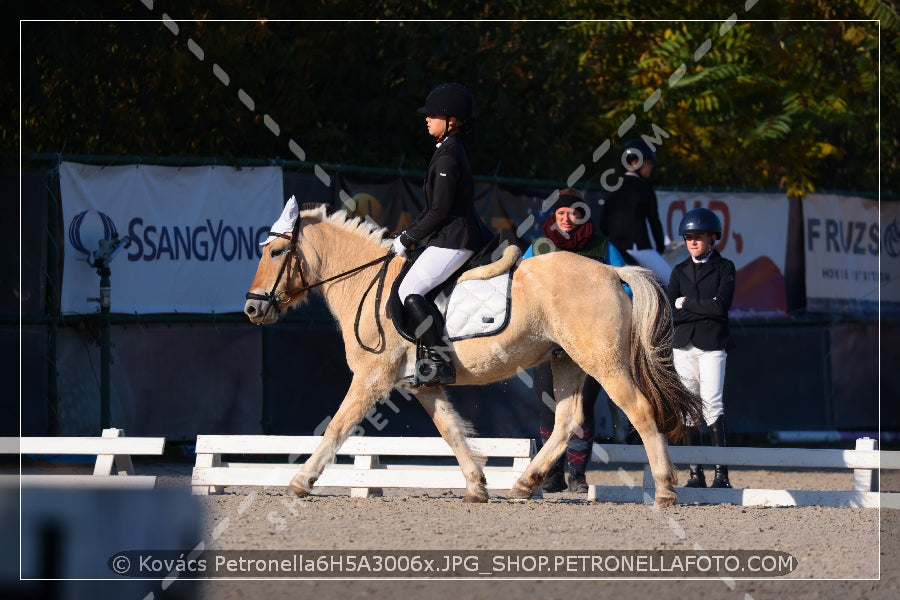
x=701, y=289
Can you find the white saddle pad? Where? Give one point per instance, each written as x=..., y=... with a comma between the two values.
x=478, y=307
x=651, y=259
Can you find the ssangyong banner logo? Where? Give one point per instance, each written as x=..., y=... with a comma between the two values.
x=109, y=232
x=207, y=241
x=190, y=241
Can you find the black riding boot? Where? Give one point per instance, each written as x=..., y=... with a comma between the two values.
x=433, y=365
x=692, y=438
x=717, y=435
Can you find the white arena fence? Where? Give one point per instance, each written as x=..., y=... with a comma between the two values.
x=417, y=468
x=113, y=468
x=367, y=476
x=865, y=462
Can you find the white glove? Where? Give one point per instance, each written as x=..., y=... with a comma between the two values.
x=399, y=248
x=679, y=303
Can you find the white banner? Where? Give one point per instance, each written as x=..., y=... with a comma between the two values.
x=194, y=235
x=754, y=237
x=852, y=253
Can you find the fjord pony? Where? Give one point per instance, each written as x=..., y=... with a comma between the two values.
x=566, y=308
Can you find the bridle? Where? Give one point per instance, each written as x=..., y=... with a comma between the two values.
x=278, y=299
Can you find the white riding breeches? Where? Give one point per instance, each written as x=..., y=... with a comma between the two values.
x=703, y=372
x=433, y=267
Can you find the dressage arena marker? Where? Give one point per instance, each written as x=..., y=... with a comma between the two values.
x=366, y=477
x=112, y=468
x=865, y=461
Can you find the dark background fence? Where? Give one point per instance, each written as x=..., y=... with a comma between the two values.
x=178, y=375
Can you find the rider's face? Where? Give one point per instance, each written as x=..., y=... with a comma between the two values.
x=699, y=244
x=437, y=125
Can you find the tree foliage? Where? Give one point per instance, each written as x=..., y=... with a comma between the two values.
x=779, y=95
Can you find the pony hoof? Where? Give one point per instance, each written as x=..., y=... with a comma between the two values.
x=476, y=498
x=298, y=489
x=666, y=501
x=520, y=492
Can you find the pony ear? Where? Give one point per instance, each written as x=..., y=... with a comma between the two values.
x=288, y=217
x=285, y=222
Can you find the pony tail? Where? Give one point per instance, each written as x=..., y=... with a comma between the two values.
x=652, y=358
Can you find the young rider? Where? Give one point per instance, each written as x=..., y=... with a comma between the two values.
x=449, y=227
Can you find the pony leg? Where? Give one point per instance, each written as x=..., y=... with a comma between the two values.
x=568, y=381
x=639, y=411
x=454, y=431
x=360, y=398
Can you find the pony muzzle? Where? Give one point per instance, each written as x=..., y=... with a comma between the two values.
x=258, y=306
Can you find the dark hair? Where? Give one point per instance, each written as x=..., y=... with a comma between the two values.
x=568, y=197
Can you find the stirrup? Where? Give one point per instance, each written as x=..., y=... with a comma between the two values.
x=432, y=370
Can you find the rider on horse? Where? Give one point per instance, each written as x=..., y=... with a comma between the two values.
x=449, y=227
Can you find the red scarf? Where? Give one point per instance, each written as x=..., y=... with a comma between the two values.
x=577, y=239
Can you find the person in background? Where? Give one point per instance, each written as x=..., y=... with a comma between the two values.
x=701, y=289
x=449, y=228
x=569, y=228
x=629, y=209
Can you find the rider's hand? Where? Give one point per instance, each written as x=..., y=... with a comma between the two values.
x=399, y=248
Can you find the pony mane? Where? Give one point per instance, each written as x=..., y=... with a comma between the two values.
x=355, y=225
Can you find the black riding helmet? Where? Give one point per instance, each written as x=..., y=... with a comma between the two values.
x=450, y=100
x=636, y=151
x=700, y=220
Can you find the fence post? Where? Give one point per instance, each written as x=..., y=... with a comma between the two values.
x=865, y=480
x=366, y=462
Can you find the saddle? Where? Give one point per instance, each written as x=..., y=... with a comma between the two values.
x=474, y=301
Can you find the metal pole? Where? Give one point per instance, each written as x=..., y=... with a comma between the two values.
x=105, y=355
x=101, y=260
x=266, y=381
